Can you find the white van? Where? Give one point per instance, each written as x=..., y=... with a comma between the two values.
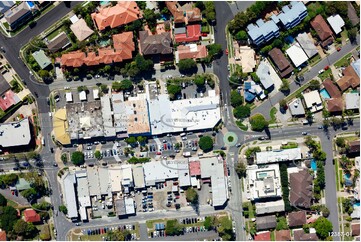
x=182, y=134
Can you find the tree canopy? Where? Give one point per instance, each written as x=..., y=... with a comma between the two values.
x=3, y=201
x=138, y=66
x=241, y=169
x=117, y=235
x=173, y=227
x=258, y=122
x=22, y=228
x=315, y=85
x=8, y=218
x=192, y=195
x=206, y=143
x=186, y=65
x=225, y=228
x=173, y=90
x=214, y=50
x=199, y=80
x=242, y=112
x=236, y=98
x=241, y=36
x=77, y=158
x=323, y=227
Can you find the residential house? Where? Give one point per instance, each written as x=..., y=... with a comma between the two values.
x=297, y=219
x=301, y=235
x=31, y=216
x=301, y=188
x=331, y=88
x=251, y=90
x=297, y=55
x=5, y=6
x=122, y=13
x=73, y=59
x=335, y=105
x=42, y=60
x=355, y=229
x=262, y=32
x=59, y=42
x=296, y=107
x=313, y=101
x=264, y=74
x=158, y=44
x=284, y=66
x=18, y=15
x=193, y=33
x=351, y=78
x=323, y=30
x=2, y=235
x=266, y=222
x=283, y=235
x=248, y=58
x=352, y=101
x=270, y=207
x=292, y=14
x=192, y=51
x=276, y=156
x=354, y=147
x=124, y=42
x=81, y=30
x=352, y=15
x=8, y=99
x=184, y=14
x=307, y=44
x=263, y=236
x=336, y=23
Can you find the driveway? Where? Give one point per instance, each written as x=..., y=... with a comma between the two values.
x=18, y=199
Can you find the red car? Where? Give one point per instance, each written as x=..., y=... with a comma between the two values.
x=326, y=68
x=159, y=153
x=165, y=146
x=338, y=48
x=226, y=51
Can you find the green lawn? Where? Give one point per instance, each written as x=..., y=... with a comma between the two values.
x=273, y=236
x=241, y=125
x=340, y=174
x=272, y=113
x=251, y=211
x=289, y=145
x=337, y=175
x=53, y=34
x=314, y=60
x=7, y=26
x=325, y=74
x=150, y=223
x=344, y=35
x=345, y=61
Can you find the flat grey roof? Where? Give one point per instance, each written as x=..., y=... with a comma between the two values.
x=70, y=195
x=307, y=44
x=15, y=133
x=352, y=100
x=264, y=75
x=296, y=107
x=138, y=174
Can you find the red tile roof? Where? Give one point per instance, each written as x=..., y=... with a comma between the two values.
x=283, y=235
x=2, y=236
x=124, y=42
x=335, y=105
x=31, y=216
x=181, y=16
x=322, y=29
x=195, y=168
x=122, y=13
x=73, y=59
x=186, y=52
x=7, y=100
x=331, y=88
x=177, y=14
x=193, y=34
x=263, y=236
x=355, y=228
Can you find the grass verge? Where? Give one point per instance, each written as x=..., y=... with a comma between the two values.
x=344, y=61
x=272, y=113
x=241, y=125
x=337, y=176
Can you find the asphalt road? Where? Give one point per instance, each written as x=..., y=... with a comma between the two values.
x=266, y=106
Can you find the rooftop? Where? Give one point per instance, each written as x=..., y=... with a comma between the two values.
x=138, y=174
x=41, y=59
x=297, y=219
x=264, y=74
x=352, y=100
x=58, y=42
x=270, y=207
x=248, y=61
x=195, y=168
x=124, y=43
x=307, y=44
x=283, y=235
x=313, y=101
x=297, y=55
x=323, y=30
x=155, y=44
x=60, y=126
x=331, y=88
x=293, y=15
x=193, y=34
x=281, y=62
x=159, y=171
x=70, y=195
x=81, y=30
x=8, y=99
x=296, y=107
x=14, y=14
x=262, y=30
x=350, y=78
x=123, y=12
x=300, y=235
x=301, y=189
x=16, y=133
x=265, y=157
x=335, y=105
x=263, y=236
x=31, y=216
x=192, y=51
x=336, y=23
x=266, y=222
x=138, y=115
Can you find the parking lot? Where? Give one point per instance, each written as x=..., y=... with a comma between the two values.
x=100, y=233
x=101, y=208
x=60, y=100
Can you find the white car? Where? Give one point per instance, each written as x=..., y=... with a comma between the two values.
x=321, y=71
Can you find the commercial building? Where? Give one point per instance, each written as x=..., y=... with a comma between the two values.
x=214, y=168
x=274, y=156
x=296, y=107
x=138, y=175
x=60, y=127
x=42, y=60
x=262, y=32
x=124, y=207
x=115, y=178
x=283, y=65
x=15, y=134
x=292, y=16
x=159, y=171
x=270, y=207
x=83, y=194
x=323, y=30
x=69, y=182
x=183, y=173
x=264, y=182
x=336, y=23
x=297, y=55
x=307, y=44
x=120, y=14
x=313, y=101
x=127, y=178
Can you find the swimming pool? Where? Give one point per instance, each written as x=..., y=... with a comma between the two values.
x=348, y=181
x=262, y=175
x=357, y=204
x=104, y=3
x=313, y=165
x=325, y=94
x=31, y=4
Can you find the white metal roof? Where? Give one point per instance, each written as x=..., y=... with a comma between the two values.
x=159, y=171
x=129, y=205
x=297, y=55
x=70, y=195
x=270, y=207
x=265, y=157
x=313, y=100
x=96, y=93
x=352, y=100
x=307, y=44
x=69, y=97
x=183, y=173
x=82, y=96
x=15, y=133
x=138, y=174
x=115, y=177
x=336, y=23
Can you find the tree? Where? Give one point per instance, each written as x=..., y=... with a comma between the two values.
x=173, y=227
x=241, y=36
x=281, y=223
x=319, y=155
x=315, y=85
x=192, y=195
x=242, y=112
x=255, y=77
x=323, y=227
x=325, y=211
x=174, y=90
x=8, y=217
x=336, y=121
x=277, y=43
x=29, y=194
x=352, y=34
x=347, y=205
x=239, y=22
x=150, y=17
x=3, y=201
x=44, y=74
x=199, y=80
x=141, y=140
x=126, y=85
x=283, y=104
x=214, y=50
x=98, y=154
x=206, y=143
x=285, y=87
x=209, y=222
x=10, y=179
x=131, y=140
x=117, y=235
x=209, y=11
x=77, y=158
x=236, y=98
x=104, y=88
x=64, y=158
x=63, y=209
x=22, y=228
x=258, y=122
x=186, y=65
x=225, y=228
x=250, y=152
x=266, y=49
x=241, y=169
x=116, y=86
x=340, y=142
